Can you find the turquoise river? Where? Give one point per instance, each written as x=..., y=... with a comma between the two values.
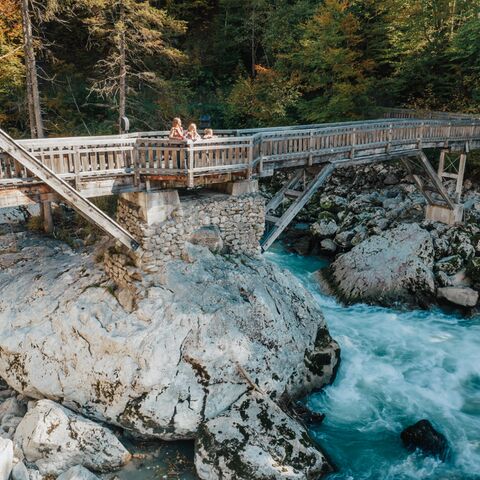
x=397, y=367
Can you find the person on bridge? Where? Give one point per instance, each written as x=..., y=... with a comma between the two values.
x=176, y=132
x=207, y=134
x=192, y=133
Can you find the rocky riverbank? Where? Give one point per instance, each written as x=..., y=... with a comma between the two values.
x=370, y=220
x=217, y=344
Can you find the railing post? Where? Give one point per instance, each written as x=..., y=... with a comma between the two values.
x=136, y=173
x=354, y=142
x=261, y=151
x=449, y=133
x=191, y=165
x=390, y=137
x=310, y=149
x=420, y=136
x=76, y=167
x=250, y=159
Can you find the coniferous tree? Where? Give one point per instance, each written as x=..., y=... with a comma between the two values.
x=135, y=39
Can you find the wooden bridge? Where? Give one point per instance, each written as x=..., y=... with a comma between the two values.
x=78, y=168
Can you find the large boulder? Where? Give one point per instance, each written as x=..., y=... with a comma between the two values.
x=423, y=436
x=175, y=361
x=394, y=266
x=56, y=439
x=255, y=439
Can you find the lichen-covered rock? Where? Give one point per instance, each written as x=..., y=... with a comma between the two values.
x=324, y=228
x=394, y=266
x=56, y=439
x=473, y=269
x=449, y=265
x=172, y=363
x=462, y=245
x=256, y=440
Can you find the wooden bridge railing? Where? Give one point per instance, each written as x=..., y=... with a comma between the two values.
x=250, y=151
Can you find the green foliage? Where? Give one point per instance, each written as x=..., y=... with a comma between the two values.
x=263, y=100
x=249, y=63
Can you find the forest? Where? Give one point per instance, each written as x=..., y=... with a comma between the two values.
x=74, y=67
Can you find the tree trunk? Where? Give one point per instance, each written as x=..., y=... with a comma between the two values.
x=33, y=96
x=252, y=43
x=123, y=68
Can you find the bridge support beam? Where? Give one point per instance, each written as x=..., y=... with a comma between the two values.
x=240, y=187
x=439, y=213
x=47, y=217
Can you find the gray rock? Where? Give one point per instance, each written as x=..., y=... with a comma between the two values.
x=449, y=265
x=255, y=439
x=391, y=179
x=328, y=245
x=55, y=439
x=209, y=237
x=344, y=239
x=165, y=368
x=324, y=228
x=11, y=407
x=394, y=266
x=77, y=473
x=332, y=203
x=463, y=296
x=443, y=279
x=6, y=458
x=462, y=245
x=20, y=472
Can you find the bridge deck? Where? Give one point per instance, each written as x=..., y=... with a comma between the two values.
x=98, y=166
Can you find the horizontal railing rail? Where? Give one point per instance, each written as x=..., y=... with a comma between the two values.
x=249, y=151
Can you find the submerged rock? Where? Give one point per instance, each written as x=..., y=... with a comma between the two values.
x=56, y=439
x=175, y=361
x=423, y=436
x=394, y=266
x=255, y=439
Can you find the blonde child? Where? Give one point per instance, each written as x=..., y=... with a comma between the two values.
x=176, y=132
x=207, y=133
x=192, y=133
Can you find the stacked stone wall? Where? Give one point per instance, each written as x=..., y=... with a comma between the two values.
x=225, y=223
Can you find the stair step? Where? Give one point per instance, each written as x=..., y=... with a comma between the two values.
x=293, y=193
x=272, y=219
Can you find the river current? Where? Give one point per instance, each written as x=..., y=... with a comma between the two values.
x=397, y=367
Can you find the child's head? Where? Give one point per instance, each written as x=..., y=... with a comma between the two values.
x=208, y=133
x=176, y=122
x=192, y=128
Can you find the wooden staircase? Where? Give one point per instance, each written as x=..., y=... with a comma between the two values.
x=428, y=181
x=300, y=198
x=83, y=206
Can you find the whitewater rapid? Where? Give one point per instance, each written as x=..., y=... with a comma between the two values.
x=397, y=367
